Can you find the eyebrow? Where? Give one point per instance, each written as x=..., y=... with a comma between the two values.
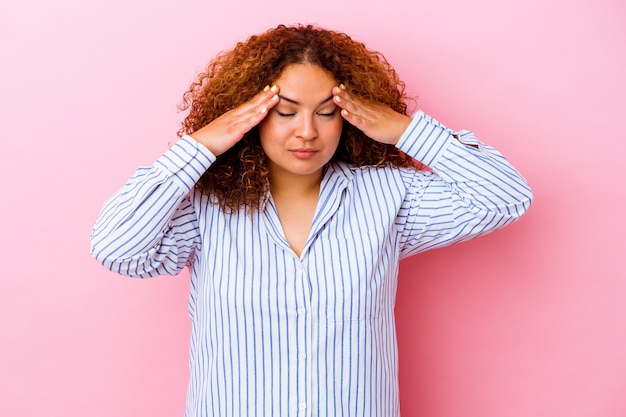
x=290, y=100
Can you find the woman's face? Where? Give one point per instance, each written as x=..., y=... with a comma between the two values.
x=301, y=133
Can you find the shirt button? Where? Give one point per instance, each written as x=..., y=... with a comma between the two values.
x=302, y=406
x=301, y=310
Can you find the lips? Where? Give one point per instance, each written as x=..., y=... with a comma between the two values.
x=303, y=153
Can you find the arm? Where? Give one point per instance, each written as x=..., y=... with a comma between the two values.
x=472, y=189
x=148, y=227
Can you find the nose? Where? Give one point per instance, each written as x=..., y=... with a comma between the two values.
x=306, y=129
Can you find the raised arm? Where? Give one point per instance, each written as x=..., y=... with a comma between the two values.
x=149, y=226
x=471, y=190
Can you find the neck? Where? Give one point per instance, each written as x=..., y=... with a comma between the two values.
x=295, y=185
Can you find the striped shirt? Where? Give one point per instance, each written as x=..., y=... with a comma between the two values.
x=274, y=334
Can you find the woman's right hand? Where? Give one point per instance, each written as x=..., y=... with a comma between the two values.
x=228, y=129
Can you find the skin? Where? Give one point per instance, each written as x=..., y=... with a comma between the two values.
x=300, y=120
x=299, y=136
x=301, y=133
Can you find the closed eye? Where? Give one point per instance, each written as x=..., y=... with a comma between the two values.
x=325, y=114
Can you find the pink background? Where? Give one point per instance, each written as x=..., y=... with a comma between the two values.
x=527, y=322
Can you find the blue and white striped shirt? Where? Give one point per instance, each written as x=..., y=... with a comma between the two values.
x=274, y=334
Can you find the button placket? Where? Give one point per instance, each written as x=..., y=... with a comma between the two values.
x=304, y=340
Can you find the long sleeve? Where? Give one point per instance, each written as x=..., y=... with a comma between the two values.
x=471, y=190
x=149, y=227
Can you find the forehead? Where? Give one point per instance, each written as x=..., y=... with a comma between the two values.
x=306, y=83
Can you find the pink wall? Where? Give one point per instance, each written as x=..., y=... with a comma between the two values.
x=530, y=321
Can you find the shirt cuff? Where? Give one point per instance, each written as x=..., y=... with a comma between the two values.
x=186, y=160
x=425, y=139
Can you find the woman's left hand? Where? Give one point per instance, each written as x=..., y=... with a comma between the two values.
x=378, y=121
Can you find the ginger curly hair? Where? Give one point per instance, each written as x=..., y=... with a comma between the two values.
x=239, y=177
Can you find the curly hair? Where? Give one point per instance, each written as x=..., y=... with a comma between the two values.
x=239, y=177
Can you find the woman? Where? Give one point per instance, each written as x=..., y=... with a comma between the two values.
x=293, y=204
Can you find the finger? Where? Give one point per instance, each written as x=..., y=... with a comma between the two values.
x=260, y=111
x=253, y=112
x=265, y=99
x=354, y=119
x=352, y=109
x=340, y=96
x=350, y=105
x=269, y=98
